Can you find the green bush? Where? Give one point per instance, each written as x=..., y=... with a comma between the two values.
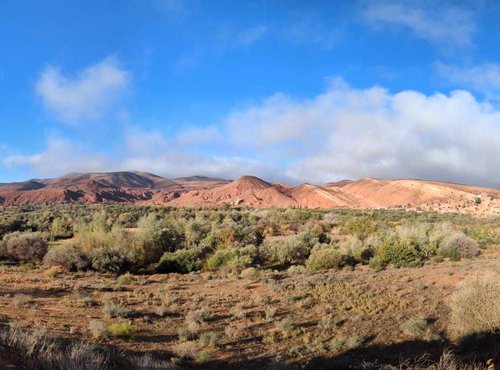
x=61, y=228
x=182, y=260
x=292, y=250
x=234, y=259
x=88, y=239
x=399, y=252
x=362, y=227
x=121, y=329
x=483, y=235
x=221, y=258
x=68, y=257
x=376, y=263
x=355, y=250
x=108, y=260
x=325, y=256
x=195, y=233
x=159, y=236
x=232, y=234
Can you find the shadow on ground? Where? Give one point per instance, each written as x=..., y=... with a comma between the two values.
x=477, y=348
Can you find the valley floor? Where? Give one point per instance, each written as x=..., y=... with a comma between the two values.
x=347, y=319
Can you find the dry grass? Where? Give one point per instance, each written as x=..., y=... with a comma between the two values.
x=217, y=320
x=475, y=306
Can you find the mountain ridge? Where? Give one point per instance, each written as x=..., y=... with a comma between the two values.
x=201, y=191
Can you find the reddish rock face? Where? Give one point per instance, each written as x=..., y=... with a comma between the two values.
x=199, y=191
x=115, y=187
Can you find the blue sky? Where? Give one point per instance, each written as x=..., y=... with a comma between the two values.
x=287, y=90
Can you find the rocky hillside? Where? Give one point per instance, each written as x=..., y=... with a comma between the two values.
x=200, y=191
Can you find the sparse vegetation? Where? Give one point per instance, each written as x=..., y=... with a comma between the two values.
x=299, y=285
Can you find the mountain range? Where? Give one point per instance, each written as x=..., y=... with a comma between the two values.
x=201, y=191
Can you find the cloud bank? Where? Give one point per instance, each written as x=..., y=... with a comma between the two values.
x=344, y=132
x=352, y=133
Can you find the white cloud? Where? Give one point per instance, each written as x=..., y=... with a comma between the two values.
x=483, y=78
x=87, y=96
x=441, y=24
x=344, y=132
x=181, y=155
x=61, y=156
x=353, y=133
x=150, y=151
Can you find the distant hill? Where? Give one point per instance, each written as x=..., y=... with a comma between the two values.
x=97, y=187
x=202, y=191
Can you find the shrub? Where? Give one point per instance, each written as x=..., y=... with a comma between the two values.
x=209, y=339
x=233, y=234
x=69, y=257
x=221, y=258
x=362, y=227
x=376, y=263
x=112, y=310
x=61, y=228
x=198, y=316
x=195, y=232
x=25, y=247
x=417, y=232
x=88, y=239
x=186, y=334
x=182, y=260
x=324, y=256
x=249, y=273
x=328, y=323
x=234, y=259
x=203, y=356
x=354, y=342
x=293, y=250
x=457, y=246
x=121, y=329
x=415, y=326
x=108, y=260
x=269, y=313
x=125, y=279
x=475, y=306
x=98, y=329
x=438, y=233
x=398, y=252
x=286, y=325
x=483, y=235
x=355, y=250
x=156, y=237
x=187, y=349
x=36, y=349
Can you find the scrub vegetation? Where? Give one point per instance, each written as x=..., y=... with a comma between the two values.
x=160, y=287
